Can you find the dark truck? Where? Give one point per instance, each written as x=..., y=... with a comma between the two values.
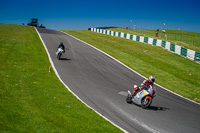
x=34, y=22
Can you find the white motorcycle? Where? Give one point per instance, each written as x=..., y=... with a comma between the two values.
x=59, y=53
x=142, y=98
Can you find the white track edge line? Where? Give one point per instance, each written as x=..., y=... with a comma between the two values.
x=131, y=69
x=52, y=64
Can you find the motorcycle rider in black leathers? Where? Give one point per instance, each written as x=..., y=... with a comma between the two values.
x=62, y=47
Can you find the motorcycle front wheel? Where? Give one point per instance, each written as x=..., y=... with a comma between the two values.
x=59, y=55
x=129, y=99
x=146, y=102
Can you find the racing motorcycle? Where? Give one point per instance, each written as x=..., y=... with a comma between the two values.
x=59, y=53
x=142, y=98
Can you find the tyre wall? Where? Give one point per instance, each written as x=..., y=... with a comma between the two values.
x=187, y=53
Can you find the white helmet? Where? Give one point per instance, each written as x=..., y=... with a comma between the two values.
x=152, y=79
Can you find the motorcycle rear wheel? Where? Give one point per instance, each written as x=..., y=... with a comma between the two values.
x=146, y=102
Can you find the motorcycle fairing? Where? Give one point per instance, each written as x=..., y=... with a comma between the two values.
x=139, y=96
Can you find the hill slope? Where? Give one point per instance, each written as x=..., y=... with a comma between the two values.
x=190, y=40
x=32, y=98
x=172, y=71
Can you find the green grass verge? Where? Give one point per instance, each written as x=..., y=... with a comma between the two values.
x=190, y=40
x=33, y=99
x=172, y=71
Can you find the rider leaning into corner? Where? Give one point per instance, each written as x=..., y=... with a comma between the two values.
x=62, y=47
x=145, y=85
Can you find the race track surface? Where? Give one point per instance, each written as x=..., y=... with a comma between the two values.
x=102, y=83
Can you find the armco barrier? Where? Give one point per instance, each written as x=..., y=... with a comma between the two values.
x=188, y=53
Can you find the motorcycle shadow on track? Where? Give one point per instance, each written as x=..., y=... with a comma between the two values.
x=154, y=108
x=157, y=108
x=64, y=59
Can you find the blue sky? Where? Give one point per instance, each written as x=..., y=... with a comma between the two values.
x=82, y=14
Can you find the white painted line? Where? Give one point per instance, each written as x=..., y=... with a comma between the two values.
x=123, y=93
x=52, y=64
x=145, y=126
x=132, y=69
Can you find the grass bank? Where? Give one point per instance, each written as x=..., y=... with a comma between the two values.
x=190, y=40
x=172, y=71
x=31, y=98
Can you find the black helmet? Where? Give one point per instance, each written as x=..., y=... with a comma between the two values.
x=61, y=43
x=152, y=79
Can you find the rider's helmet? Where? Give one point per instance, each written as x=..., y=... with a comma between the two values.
x=152, y=79
x=61, y=43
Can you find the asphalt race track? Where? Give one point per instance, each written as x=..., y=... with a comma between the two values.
x=102, y=83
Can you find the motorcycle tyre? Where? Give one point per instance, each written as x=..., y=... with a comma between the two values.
x=129, y=99
x=59, y=55
x=144, y=106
